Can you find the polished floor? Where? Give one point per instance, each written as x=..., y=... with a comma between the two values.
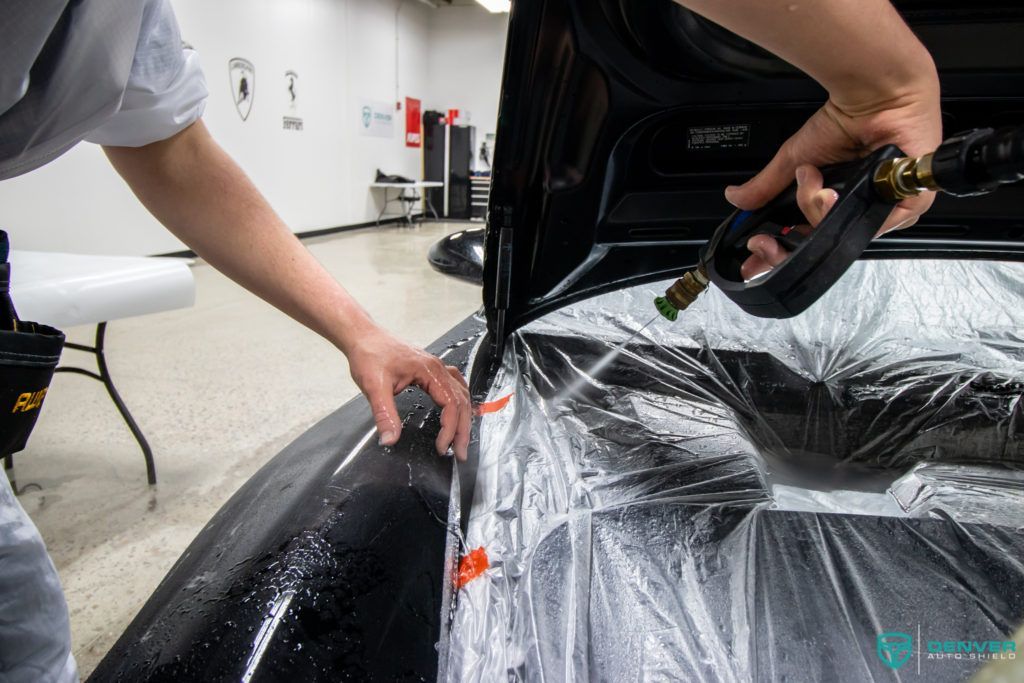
x=218, y=389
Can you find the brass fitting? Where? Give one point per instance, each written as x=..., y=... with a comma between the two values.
x=682, y=293
x=905, y=177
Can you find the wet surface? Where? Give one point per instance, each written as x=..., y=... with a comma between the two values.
x=328, y=565
x=735, y=499
x=219, y=389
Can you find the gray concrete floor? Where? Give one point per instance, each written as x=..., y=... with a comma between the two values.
x=218, y=389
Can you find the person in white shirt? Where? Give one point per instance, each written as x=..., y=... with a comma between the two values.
x=114, y=72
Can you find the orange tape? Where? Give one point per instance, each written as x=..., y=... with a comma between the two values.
x=493, y=406
x=471, y=566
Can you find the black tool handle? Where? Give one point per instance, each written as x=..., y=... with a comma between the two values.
x=818, y=259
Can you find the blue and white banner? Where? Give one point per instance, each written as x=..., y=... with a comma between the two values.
x=376, y=119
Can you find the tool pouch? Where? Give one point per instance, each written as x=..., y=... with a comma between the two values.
x=29, y=353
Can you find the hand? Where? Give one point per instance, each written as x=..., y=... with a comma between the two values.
x=194, y=188
x=382, y=366
x=839, y=133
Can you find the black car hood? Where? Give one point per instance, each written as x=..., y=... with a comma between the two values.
x=621, y=122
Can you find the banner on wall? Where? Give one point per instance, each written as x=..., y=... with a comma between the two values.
x=377, y=119
x=413, y=123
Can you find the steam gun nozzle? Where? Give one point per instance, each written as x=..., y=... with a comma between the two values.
x=682, y=293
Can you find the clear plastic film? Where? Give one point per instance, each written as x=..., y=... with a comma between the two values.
x=731, y=499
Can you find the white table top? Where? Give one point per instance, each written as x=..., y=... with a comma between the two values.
x=418, y=183
x=77, y=289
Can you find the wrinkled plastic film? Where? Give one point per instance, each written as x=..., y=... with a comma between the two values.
x=731, y=498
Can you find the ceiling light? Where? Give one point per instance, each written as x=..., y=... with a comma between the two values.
x=495, y=6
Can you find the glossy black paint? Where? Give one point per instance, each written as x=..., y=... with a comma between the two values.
x=601, y=178
x=355, y=533
x=460, y=254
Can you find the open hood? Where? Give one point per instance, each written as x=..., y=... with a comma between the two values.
x=622, y=121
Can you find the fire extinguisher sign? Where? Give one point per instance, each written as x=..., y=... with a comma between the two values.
x=413, y=123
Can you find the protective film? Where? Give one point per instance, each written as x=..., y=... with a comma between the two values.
x=836, y=496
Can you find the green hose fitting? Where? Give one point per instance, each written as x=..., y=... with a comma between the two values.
x=666, y=308
x=682, y=293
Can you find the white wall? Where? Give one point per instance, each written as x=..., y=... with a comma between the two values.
x=371, y=76
x=467, y=49
x=344, y=53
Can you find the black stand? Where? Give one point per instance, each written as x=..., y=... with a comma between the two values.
x=407, y=202
x=9, y=471
x=108, y=382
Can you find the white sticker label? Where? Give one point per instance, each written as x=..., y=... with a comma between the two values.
x=733, y=136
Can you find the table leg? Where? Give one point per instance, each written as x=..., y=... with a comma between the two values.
x=407, y=202
x=384, y=208
x=108, y=382
x=9, y=472
x=430, y=204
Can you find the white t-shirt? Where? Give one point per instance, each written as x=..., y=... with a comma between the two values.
x=113, y=72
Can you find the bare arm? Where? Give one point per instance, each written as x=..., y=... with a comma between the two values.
x=861, y=51
x=201, y=195
x=883, y=89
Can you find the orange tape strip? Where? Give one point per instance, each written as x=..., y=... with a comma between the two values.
x=471, y=566
x=493, y=406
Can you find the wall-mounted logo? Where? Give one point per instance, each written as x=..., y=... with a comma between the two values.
x=243, y=85
x=377, y=119
x=894, y=648
x=291, y=85
x=291, y=121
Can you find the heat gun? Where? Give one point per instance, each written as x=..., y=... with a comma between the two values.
x=975, y=162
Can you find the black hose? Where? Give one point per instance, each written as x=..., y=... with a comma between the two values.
x=979, y=161
x=1000, y=158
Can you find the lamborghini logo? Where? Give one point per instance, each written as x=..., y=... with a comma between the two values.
x=243, y=85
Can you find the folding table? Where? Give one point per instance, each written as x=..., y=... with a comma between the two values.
x=406, y=200
x=63, y=290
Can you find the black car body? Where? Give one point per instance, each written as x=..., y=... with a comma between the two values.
x=620, y=123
